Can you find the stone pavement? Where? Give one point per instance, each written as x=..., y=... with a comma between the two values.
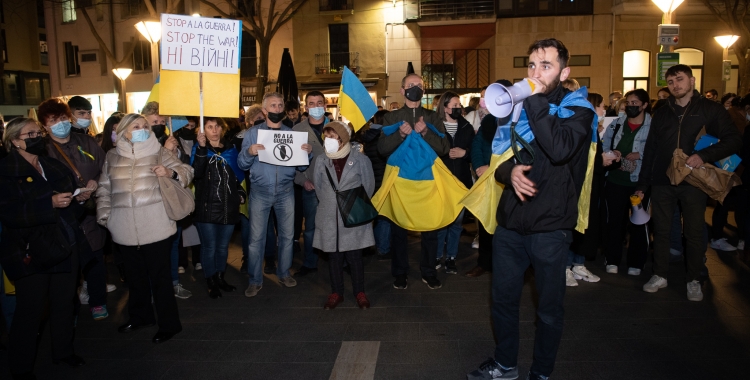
x=613, y=330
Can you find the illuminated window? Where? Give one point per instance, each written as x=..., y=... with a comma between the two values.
x=694, y=59
x=68, y=11
x=635, y=70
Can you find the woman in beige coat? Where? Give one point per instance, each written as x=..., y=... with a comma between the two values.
x=129, y=204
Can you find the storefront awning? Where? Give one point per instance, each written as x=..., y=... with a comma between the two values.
x=333, y=85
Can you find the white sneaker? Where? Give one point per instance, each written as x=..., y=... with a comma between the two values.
x=180, y=270
x=741, y=245
x=198, y=266
x=612, y=269
x=475, y=243
x=83, y=294
x=634, y=271
x=654, y=284
x=722, y=245
x=694, y=291
x=570, y=278
x=582, y=273
x=181, y=292
x=111, y=288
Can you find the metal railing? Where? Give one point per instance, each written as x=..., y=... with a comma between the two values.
x=469, y=8
x=461, y=70
x=333, y=63
x=336, y=5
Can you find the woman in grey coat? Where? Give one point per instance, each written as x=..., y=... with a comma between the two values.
x=348, y=169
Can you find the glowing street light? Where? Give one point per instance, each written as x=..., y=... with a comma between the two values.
x=667, y=6
x=726, y=41
x=151, y=31
x=122, y=74
x=726, y=65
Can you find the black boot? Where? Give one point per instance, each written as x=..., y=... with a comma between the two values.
x=223, y=283
x=121, y=269
x=213, y=288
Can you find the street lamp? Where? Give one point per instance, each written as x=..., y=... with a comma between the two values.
x=122, y=74
x=726, y=67
x=667, y=7
x=151, y=31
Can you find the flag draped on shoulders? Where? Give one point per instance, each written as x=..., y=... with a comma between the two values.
x=418, y=193
x=483, y=198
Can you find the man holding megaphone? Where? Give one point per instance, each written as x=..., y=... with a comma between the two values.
x=538, y=210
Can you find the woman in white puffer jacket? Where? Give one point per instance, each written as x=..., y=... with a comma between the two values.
x=129, y=204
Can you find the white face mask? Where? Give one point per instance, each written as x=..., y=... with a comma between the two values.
x=331, y=145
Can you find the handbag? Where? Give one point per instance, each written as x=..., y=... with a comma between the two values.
x=354, y=205
x=178, y=201
x=713, y=181
x=37, y=249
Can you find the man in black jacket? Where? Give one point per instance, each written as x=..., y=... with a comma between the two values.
x=685, y=115
x=536, y=217
x=415, y=120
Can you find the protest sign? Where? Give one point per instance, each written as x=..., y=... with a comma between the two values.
x=179, y=94
x=200, y=44
x=283, y=148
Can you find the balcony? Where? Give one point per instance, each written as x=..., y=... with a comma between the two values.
x=449, y=10
x=336, y=5
x=456, y=70
x=333, y=63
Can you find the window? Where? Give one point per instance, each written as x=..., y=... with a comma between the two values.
x=694, y=59
x=71, y=59
x=584, y=82
x=142, y=56
x=464, y=71
x=39, y=14
x=579, y=60
x=43, y=51
x=88, y=57
x=4, y=45
x=248, y=56
x=336, y=5
x=338, y=42
x=520, y=8
x=133, y=8
x=68, y=11
x=11, y=94
x=635, y=70
x=520, y=62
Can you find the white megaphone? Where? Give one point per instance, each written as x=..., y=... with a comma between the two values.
x=500, y=100
x=639, y=216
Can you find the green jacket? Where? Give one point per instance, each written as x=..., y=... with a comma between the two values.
x=388, y=144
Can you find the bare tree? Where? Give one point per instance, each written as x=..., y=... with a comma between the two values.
x=252, y=16
x=732, y=14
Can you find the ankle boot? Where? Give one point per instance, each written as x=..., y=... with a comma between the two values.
x=213, y=287
x=223, y=283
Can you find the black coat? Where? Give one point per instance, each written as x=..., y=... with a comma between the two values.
x=217, y=190
x=370, y=140
x=27, y=214
x=561, y=147
x=461, y=167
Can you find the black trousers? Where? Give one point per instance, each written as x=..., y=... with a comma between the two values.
x=617, y=198
x=484, y=260
x=400, y=251
x=512, y=254
x=95, y=274
x=33, y=294
x=148, y=272
x=336, y=269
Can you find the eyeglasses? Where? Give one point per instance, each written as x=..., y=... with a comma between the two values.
x=410, y=85
x=33, y=134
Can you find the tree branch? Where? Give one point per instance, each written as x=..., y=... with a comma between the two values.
x=103, y=45
x=150, y=8
x=297, y=4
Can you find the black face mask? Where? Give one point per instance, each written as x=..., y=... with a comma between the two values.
x=276, y=117
x=159, y=130
x=456, y=113
x=36, y=146
x=632, y=111
x=414, y=94
x=187, y=134
x=259, y=121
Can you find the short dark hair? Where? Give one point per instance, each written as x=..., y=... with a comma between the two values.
x=676, y=69
x=563, y=55
x=665, y=89
x=291, y=105
x=79, y=103
x=713, y=92
x=595, y=99
x=52, y=108
x=313, y=93
x=378, y=117
x=727, y=96
x=642, y=95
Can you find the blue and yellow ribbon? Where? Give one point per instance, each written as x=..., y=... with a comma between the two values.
x=85, y=153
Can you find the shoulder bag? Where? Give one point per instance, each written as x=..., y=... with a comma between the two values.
x=178, y=201
x=354, y=205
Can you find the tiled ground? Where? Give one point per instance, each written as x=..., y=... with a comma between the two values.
x=613, y=330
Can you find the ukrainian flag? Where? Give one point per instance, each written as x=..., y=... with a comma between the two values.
x=354, y=100
x=418, y=192
x=154, y=95
x=484, y=196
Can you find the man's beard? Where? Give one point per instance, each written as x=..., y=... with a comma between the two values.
x=552, y=86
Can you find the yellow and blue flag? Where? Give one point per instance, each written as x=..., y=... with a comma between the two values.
x=354, y=100
x=484, y=196
x=154, y=95
x=418, y=192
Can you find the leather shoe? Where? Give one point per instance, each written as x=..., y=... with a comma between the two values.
x=362, y=301
x=304, y=271
x=162, y=337
x=333, y=301
x=476, y=272
x=130, y=327
x=71, y=361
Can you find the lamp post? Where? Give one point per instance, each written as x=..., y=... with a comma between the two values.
x=667, y=8
x=151, y=31
x=726, y=65
x=122, y=74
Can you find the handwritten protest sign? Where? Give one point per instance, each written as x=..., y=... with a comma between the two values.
x=200, y=44
x=283, y=148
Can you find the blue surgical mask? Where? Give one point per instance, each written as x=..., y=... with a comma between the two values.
x=316, y=112
x=83, y=123
x=139, y=135
x=61, y=129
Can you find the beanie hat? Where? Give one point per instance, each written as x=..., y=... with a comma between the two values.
x=340, y=129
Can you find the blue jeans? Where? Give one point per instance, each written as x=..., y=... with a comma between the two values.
x=449, y=236
x=260, y=204
x=175, y=256
x=270, y=238
x=382, y=232
x=575, y=259
x=309, y=207
x=214, y=246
